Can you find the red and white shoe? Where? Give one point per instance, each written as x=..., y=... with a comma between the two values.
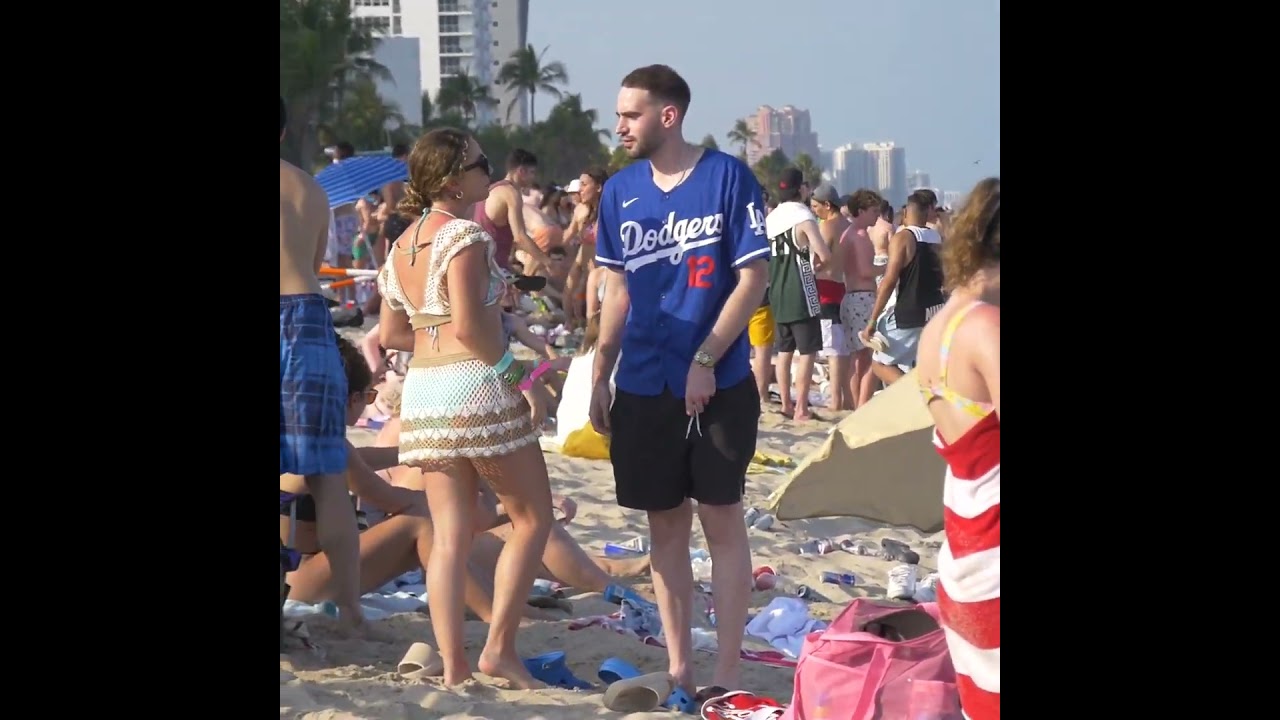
x=741, y=705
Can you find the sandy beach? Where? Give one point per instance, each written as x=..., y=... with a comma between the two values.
x=357, y=679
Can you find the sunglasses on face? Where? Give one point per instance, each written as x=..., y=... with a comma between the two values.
x=368, y=395
x=481, y=162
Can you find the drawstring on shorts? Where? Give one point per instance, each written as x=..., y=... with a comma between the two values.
x=694, y=421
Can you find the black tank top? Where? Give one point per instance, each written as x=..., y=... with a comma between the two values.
x=920, y=285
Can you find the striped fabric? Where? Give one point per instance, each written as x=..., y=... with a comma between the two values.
x=969, y=565
x=351, y=179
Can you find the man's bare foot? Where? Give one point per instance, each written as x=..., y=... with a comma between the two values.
x=509, y=669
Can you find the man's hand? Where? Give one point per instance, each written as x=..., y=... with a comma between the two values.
x=865, y=335
x=601, y=399
x=699, y=386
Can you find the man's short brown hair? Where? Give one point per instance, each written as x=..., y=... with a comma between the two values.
x=925, y=198
x=864, y=199
x=663, y=83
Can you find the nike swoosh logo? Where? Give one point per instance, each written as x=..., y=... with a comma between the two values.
x=625, y=204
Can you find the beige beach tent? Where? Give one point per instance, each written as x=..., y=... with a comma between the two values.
x=879, y=463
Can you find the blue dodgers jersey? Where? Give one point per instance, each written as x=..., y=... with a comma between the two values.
x=680, y=251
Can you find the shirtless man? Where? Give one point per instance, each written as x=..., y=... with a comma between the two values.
x=860, y=276
x=313, y=383
x=502, y=214
x=392, y=193
x=880, y=234
x=837, y=343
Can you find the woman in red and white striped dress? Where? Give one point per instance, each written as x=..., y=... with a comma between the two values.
x=959, y=370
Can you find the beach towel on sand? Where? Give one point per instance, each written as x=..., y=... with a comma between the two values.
x=313, y=389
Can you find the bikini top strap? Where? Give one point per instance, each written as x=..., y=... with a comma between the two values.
x=413, y=242
x=948, y=333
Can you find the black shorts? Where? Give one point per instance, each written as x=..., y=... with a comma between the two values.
x=655, y=467
x=804, y=337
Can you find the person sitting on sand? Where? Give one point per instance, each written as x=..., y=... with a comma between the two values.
x=402, y=541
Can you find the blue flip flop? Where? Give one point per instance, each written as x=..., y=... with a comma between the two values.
x=551, y=669
x=615, y=669
x=681, y=701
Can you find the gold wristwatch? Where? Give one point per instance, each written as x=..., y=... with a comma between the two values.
x=703, y=358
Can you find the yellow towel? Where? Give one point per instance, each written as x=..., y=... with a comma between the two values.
x=765, y=463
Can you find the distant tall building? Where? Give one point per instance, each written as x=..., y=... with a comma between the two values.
x=952, y=198
x=787, y=129
x=454, y=36
x=890, y=163
x=918, y=179
x=852, y=169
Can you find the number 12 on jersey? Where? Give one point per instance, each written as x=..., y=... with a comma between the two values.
x=700, y=269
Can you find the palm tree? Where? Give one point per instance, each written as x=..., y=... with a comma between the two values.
x=322, y=50
x=568, y=141
x=809, y=169
x=464, y=93
x=741, y=135
x=526, y=73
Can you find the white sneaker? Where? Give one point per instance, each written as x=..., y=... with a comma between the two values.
x=926, y=589
x=902, y=582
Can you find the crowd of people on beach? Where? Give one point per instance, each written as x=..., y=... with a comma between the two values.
x=695, y=291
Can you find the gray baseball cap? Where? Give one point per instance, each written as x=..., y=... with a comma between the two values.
x=826, y=192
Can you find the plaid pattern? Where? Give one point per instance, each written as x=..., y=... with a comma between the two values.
x=313, y=389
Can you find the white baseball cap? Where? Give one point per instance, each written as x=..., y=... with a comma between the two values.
x=574, y=186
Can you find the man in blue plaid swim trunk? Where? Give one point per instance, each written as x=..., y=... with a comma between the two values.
x=313, y=384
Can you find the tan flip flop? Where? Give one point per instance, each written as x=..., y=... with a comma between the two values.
x=877, y=343
x=420, y=662
x=639, y=694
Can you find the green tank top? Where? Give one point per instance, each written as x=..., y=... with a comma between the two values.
x=793, y=286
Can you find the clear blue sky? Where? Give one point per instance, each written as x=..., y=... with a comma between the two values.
x=923, y=73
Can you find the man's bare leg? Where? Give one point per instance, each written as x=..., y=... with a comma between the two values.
x=838, y=366
x=783, y=370
x=862, y=382
x=673, y=585
x=730, y=572
x=761, y=367
x=340, y=539
x=804, y=381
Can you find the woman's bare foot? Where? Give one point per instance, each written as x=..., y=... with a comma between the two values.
x=457, y=676
x=509, y=669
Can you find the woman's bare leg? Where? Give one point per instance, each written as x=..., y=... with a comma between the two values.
x=451, y=495
x=520, y=481
x=567, y=563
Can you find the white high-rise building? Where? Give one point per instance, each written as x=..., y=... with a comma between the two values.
x=454, y=36
x=890, y=163
x=852, y=170
x=918, y=179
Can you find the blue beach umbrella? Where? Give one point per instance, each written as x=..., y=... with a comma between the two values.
x=348, y=181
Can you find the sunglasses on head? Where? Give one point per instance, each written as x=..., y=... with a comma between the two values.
x=481, y=162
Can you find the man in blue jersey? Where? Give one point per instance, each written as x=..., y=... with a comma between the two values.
x=683, y=236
